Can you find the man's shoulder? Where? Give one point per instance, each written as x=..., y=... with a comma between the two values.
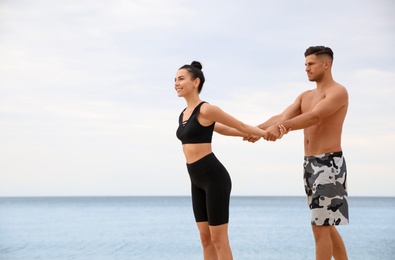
x=335, y=86
x=338, y=89
x=304, y=93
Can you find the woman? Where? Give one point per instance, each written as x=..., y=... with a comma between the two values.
x=211, y=183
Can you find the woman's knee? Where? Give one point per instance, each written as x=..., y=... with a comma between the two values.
x=205, y=235
x=219, y=235
x=205, y=239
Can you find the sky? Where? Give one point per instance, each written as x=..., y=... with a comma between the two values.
x=88, y=105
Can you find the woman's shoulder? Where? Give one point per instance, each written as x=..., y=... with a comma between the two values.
x=207, y=108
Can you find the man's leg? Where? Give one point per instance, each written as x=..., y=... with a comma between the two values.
x=328, y=243
x=323, y=242
x=339, y=250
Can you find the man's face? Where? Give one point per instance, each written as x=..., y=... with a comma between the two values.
x=314, y=67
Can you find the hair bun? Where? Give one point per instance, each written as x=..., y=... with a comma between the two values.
x=196, y=64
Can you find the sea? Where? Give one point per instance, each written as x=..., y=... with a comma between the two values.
x=163, y=228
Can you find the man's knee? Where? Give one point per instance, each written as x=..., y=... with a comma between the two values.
x=321, y=232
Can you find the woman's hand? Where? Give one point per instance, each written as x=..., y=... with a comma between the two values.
x=283, y=131
x=251, y=138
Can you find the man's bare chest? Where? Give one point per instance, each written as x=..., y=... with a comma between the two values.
x=310, y=100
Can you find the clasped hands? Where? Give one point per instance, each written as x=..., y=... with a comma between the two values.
x=273, y=133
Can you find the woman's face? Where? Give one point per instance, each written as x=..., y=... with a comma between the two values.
x=184, y=84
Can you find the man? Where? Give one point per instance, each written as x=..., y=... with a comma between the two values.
x=321, y=113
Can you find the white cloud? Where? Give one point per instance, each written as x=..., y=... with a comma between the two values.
x=87, y=103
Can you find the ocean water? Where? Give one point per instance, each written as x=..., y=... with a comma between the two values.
x=163, y=228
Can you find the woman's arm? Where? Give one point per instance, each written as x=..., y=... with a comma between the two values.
x=229, y=131
x=210, y=113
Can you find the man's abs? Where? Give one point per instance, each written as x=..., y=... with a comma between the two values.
x=320, y=142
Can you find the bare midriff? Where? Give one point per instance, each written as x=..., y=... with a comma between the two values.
x=194, y=152
x=323, y=138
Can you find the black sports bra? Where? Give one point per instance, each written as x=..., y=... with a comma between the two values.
x=191, y=131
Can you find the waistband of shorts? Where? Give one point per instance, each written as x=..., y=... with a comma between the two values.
x=324, y=155
x=203, y=163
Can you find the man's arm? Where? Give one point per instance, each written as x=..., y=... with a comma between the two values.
x=270, y=121
x=290, y=112
x=333, y=101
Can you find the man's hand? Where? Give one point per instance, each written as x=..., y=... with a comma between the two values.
x=272, y=133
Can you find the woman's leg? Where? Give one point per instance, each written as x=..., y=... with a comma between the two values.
x=217, y=199
x=211, y=187
x=209, y=251
x=220, y=240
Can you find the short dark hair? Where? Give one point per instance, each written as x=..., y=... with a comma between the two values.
x=319, y=50
x=195, y=69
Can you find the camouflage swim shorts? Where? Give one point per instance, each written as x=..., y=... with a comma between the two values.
x=326, y=188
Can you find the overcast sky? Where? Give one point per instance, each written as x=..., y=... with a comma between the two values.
x=88, y=106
